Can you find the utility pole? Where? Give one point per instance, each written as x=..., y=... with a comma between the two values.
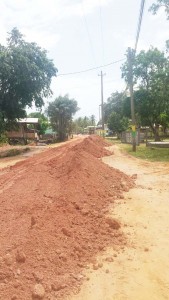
x=102, y=108
x=99, y=111
x=130, y=79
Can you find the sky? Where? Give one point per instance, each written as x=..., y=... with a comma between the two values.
x=84, y=34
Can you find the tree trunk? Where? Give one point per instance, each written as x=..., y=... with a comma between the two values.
x=156, y=133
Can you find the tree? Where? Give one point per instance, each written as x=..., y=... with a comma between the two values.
x=151, y=74
x=25, y=76
x=117, y=124
x=60, y=112
x=158, y=4
x=114, y=104
x=82, y=122
x=43, y=121
x=92, y=119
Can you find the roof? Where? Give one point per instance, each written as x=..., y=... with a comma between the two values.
x=29, y=120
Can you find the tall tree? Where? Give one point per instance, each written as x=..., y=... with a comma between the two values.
x=114, y=104
x=25, y=76
x=92, y=119
x=151, y=74
x=60, y=112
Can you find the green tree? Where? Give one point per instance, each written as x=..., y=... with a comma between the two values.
x=151, y=74
x=92, y=120
x=25, y=76
x=43, y=121
x=117, y=124
x=60, y=112
x=81, y=123
x=158, y=4
x=114, y=104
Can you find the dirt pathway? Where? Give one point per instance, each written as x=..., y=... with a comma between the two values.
x=142, y=271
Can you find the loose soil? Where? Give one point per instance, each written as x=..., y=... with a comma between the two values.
x=68, y=232
x=54, y=219
x=141, y=271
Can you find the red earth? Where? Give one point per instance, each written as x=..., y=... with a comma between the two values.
x=54, y=219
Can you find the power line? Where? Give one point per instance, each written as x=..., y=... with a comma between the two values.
x=139, y=23
x=91, y=69
x=101, y=30
x=88, y=33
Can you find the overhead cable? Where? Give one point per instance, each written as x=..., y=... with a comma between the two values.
x=101, y=30
x=88, y=33
x=139, y=23
x=91, y=69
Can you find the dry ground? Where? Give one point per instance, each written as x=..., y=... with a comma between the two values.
x=142, y=271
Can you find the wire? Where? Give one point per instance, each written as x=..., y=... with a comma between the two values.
x=88, y=33
x=102, y=38
x=91, y=69
x=139, y=23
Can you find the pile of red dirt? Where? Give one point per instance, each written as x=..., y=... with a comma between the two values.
x=95, y=146
x=53, y=220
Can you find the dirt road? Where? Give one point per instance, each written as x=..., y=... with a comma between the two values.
x=142, y=271
x=138, y=270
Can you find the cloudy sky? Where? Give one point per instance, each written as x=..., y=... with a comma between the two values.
x=83, y=34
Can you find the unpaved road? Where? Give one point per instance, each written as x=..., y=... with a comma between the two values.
x=141, y=272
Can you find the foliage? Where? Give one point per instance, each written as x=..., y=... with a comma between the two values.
x=3, y=139
x=114, y=104
x=13, y=152
x=81, y=123
x=116, y=123
x=25, y=76
x=146, y=153
x=60, y=112
x=151, y=73
x=43, y=121
x=158, y=4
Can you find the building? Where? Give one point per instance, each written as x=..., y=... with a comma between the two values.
x=25, y=129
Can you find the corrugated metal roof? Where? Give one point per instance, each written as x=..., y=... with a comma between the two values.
x=29, y=120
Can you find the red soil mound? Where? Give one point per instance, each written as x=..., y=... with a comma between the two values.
x=53, y=221
x=95, y=146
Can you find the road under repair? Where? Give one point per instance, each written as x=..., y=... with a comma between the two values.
x=73, y=227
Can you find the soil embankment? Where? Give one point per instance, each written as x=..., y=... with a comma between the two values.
x=54, y=220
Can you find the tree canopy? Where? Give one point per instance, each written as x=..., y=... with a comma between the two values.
x=60, y=112
x=151, y=74
x=81, y=123
x=158, y=4
x=116, y=123
x=25, y=76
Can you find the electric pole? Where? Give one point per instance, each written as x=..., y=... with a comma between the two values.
x=130, y=79
x=102, y=108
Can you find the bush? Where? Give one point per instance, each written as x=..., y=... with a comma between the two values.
x=3, y=139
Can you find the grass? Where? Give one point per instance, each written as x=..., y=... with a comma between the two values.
x=13, y=152
x=147, y=153
x=143, y=152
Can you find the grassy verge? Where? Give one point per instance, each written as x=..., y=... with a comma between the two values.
x=147, y=153
x=143, y=152
x=13, y=152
